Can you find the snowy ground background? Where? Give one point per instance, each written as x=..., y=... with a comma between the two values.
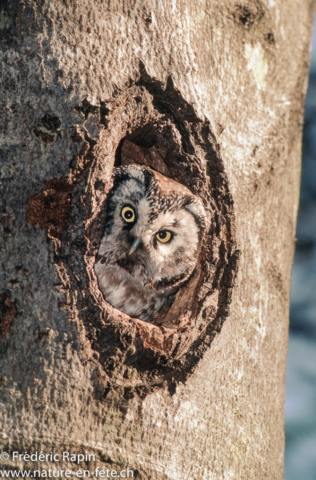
x=300, y=405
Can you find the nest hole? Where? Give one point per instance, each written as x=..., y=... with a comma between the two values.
x=147, y=123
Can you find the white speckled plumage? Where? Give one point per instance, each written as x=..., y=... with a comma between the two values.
x=140, y=282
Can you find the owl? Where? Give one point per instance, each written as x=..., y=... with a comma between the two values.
x=152, y=240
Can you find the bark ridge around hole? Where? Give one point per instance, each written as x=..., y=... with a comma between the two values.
x=148, y=123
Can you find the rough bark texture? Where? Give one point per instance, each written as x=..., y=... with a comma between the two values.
x=208, y=93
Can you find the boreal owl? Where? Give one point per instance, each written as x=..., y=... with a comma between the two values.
x=151, y=243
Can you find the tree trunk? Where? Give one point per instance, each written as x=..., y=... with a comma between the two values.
x=212, y=95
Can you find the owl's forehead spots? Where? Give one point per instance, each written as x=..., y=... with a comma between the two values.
x=130, y=190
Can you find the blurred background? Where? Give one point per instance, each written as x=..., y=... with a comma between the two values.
x=300, y=404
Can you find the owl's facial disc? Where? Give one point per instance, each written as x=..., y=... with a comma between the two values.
x=164, y=236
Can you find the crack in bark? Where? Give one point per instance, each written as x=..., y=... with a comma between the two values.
x=8, y=312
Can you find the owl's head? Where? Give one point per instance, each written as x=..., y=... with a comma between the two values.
x=154, y=228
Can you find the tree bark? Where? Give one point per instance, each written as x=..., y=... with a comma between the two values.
x=212, y=95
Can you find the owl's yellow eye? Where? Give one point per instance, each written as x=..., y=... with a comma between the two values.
x=164, y=236
x=128, y=214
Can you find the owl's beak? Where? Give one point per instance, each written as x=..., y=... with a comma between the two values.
x=135, y=245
